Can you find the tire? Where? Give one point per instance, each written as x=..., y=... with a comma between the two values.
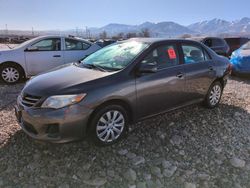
x=102, y=127
x=11, y=73
x=214, y=94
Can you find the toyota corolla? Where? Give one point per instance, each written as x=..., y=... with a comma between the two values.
x=118, y=85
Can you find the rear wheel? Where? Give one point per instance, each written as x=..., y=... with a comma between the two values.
x=11, y=73
x=109, y=125
x=214, y=95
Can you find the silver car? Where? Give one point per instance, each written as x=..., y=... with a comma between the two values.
x=42, y=54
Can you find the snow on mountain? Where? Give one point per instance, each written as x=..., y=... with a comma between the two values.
x=217, y=26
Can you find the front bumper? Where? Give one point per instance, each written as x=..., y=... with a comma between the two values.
x=53, y=125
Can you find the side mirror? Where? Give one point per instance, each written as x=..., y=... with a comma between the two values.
x=32, y=48
x=147, y=68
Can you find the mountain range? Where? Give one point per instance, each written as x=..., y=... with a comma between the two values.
x=170, y=29
x=165, y=29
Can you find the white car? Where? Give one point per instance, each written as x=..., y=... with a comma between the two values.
x=42, y=54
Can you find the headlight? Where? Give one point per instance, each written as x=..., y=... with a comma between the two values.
x=59, y=101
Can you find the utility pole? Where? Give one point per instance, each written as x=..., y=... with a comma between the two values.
x=6, y=30
x=86, y=32
x=77, y=32
x=32, y=31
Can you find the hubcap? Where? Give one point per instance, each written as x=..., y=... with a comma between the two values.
x=215, y=95
x=110, y=126
x=10, y=74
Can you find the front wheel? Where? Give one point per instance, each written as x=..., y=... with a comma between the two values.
x=10, y=74
x=214, y=95
x=109, y=125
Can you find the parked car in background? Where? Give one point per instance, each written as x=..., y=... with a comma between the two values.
x=235, y=43
x=219, y=45
x=106, y=42
x=42, y=54
x=117, y=85
x=240, y=60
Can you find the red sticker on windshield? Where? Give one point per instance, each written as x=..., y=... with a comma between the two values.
x=171, y=53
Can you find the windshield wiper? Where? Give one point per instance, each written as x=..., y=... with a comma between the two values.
x=93, y=66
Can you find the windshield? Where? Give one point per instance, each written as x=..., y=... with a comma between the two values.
x=116, y=56
x=246, y=46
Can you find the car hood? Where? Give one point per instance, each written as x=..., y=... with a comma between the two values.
x=63, y=80
x=6, y=51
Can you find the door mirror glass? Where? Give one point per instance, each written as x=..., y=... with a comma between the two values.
x=148, y=68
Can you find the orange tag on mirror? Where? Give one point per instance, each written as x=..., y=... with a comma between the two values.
x=171, y=53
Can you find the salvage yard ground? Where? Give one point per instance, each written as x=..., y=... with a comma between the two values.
x=191, y=147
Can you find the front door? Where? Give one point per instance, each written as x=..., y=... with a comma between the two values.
x=164, y=89
x=43, y=56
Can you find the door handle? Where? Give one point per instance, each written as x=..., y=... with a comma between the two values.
x=179, y=75
x=56, y=55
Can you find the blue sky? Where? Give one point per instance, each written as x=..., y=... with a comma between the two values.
x=69, y=14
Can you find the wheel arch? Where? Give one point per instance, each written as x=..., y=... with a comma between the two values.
x=221, y=80
x=119, y=102
x=15, y=64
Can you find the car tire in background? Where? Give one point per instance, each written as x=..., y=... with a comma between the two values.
x=108, y=125
x=214, y=94
x=11, y=73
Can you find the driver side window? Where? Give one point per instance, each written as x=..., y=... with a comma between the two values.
x=51, y=44
x=163, y=56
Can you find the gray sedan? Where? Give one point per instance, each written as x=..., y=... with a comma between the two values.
x=118, y=85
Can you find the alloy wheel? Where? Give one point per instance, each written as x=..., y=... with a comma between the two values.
x=110, y=126
x=215, y=95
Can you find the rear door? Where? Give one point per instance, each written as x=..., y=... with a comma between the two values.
x=199, y=70
x=46, y=55
x=75, y=50
x=164, y=89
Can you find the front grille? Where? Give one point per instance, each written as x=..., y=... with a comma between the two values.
x=29, y=100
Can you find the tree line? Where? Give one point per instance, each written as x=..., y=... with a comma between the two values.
x=143, y=33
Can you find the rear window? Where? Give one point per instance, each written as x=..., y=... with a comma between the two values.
x=213, y=42
x=72, y=44
x=193, y=54
x=218, y=42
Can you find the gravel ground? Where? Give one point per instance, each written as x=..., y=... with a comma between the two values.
x=190, y=147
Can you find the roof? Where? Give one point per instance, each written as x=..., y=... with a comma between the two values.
x=153, y=40
x=59, y=36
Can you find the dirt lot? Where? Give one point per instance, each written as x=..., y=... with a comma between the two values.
x=191, y=147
